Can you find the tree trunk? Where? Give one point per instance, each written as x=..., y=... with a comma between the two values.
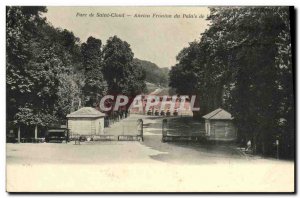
x=19, y=134
x=255, y=144
x=35, y=132
x=263, y=148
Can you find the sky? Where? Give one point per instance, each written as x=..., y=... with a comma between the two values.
x=153, y=38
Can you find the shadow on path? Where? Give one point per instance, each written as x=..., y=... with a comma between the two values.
x=186, y=151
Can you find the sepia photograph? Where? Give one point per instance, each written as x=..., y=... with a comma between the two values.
x=157, y=99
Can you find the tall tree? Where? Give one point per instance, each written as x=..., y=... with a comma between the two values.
x=95, y=86
x=31, y=69
x=121, y=73
x=243, y=62
x=41, y=61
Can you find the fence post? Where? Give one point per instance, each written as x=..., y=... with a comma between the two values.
x=164, y=129
x=140, y=129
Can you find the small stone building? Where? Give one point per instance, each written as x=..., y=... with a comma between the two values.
x=219, y=126
x=86, y=121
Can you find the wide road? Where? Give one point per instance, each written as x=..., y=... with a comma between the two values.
x=185, y=152
x=142, y=166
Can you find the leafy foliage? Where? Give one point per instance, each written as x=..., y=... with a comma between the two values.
x=95, y=86
x=50, y=73
x=123, y=76
x=243, y=63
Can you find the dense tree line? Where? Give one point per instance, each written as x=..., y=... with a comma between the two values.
x=154, y=74
x=50, y=73
x=243, y=63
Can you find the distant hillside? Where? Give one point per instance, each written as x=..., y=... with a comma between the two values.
x=151, y=87
x=154, y=74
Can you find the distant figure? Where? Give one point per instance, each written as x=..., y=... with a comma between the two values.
x=248, y=145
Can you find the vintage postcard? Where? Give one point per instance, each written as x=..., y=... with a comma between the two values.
x=150, y=99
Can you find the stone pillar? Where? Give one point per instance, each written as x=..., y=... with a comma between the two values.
x=140, y=128
x=164, y=129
